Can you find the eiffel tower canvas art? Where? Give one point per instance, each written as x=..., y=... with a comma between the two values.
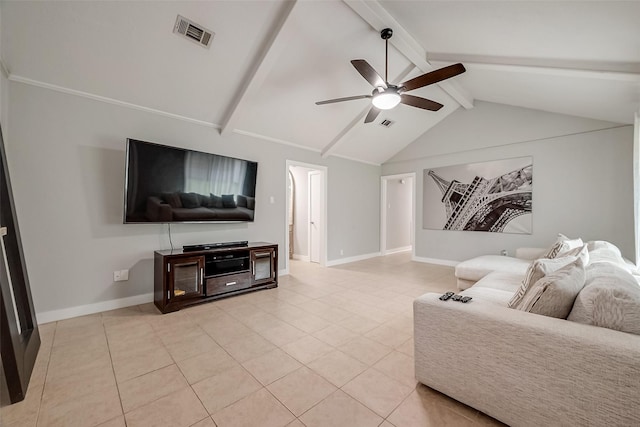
x=489, y=196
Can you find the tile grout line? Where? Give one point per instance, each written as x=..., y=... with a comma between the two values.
x=44, y=383
x=113, y=369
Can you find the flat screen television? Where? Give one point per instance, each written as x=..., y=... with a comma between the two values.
x=169, y=184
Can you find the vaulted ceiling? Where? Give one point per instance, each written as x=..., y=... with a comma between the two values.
x=271, y=60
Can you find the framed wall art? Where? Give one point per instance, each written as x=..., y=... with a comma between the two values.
x=493, y=196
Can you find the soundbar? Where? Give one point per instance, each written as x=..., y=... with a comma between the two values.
x=218, y=245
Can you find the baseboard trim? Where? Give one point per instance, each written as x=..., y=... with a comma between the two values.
x=304, y=258
x=437, y=261
x=340, y=261
x=83, y=310
x=397, y=250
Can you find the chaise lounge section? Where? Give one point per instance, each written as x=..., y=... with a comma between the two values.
x=527, y=369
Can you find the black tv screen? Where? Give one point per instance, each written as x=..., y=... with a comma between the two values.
x=168, y=184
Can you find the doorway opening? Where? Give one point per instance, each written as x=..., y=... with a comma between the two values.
x=397, y=213
x=306, y=213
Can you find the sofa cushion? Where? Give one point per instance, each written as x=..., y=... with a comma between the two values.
x=206, y=201
x=554, y=294
x=609, y=299
x=562, y=244
x=228, y=201
x=492, y=295
x=251, y=203
x=173, y=199
x=500, y=280
x=193, y=214
x=476, y=268
x=543, y=266
x=216, y=201
x=242, y=201
x=605, y=252
x=189, y=200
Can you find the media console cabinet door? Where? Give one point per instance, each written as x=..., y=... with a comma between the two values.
x=185, y=278
x=262, y=265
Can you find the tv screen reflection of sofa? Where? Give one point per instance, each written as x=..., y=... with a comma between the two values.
x=193, y=207
x=170, y=184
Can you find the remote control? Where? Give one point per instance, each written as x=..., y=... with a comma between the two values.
x=465, y=299
x=456, y=297
x=446, y=296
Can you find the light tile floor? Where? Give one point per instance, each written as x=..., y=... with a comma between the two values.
x=328, y=347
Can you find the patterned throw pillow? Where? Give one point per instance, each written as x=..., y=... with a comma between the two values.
x=543, y=266
x=563, y=244
x=554, y=294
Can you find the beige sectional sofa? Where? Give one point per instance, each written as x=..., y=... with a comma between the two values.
x=527, y=369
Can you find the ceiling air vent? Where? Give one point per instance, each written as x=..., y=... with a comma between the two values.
x=192, y=31
x=386, y=123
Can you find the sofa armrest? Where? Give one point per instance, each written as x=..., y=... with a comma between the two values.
x=525, y=369
x=530, y=253
x=157, y=211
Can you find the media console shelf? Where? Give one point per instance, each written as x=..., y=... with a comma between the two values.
x=183, y=278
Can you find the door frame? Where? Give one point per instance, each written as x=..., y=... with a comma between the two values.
x=324, y=177
x=313, y=172
x=384, y=180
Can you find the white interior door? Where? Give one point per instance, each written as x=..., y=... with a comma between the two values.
x=315, y=216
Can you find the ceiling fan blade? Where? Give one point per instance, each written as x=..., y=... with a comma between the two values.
x=348, y=98
x=371, y=115
x=433, y=77
x=425, y=104
x=368, y=73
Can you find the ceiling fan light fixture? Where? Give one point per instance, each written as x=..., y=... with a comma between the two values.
x=385, y=100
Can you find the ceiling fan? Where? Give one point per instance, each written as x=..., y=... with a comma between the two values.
x=386, y=96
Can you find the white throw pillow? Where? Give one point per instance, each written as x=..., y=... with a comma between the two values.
x=554, y=294
x=609, y=299
x=563, y=244
x=543, y=266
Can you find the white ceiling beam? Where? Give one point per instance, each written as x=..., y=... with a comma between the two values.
x=331, y=147
x=556, y=63
x=584, y=74
x=269, y=54
x=375, y=15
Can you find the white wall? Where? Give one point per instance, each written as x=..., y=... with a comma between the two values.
x=359, y=200
x=583, y=184
x=4, y=89
x=66, y=160
x=398, y=207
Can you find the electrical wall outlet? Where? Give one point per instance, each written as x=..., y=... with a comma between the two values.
x=120, y=275
x=341, y=252
x=504, y=252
